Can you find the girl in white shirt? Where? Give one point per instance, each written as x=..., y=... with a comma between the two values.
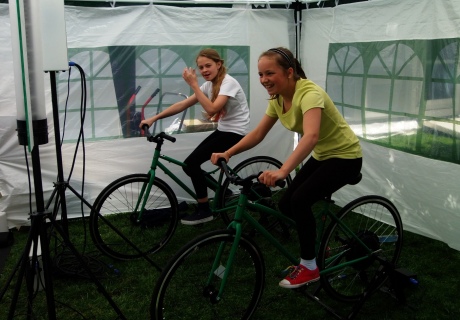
x=222, y=97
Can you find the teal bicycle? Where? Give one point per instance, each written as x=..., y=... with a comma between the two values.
x=136, y=215
x=221, y=274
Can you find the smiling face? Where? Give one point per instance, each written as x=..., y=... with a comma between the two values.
x=272, y=76
x=208, y=68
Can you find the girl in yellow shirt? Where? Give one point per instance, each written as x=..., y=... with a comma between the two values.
x=336, y=156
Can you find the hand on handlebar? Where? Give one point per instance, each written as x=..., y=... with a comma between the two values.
x=216, y=156
x=146, y=122
x=269, y=177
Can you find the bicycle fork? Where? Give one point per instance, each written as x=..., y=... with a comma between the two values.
x=218, y=269
x=146, y=188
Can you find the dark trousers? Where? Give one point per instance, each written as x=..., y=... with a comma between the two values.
x=314, y=181
x=217, y=141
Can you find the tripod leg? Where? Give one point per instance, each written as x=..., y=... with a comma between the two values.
x=101, y=289
x=22, y=269
x=37, y=228
x=46, y=259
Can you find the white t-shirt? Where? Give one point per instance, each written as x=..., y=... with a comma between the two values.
x=236, y=117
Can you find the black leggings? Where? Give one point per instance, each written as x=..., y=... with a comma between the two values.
x=218, y=141
x=315, y=180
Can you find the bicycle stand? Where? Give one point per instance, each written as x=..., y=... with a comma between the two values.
x=397, y=277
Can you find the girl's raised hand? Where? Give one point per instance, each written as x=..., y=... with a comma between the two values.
x=189, y=76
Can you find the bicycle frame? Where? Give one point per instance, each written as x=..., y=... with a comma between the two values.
x=156, y=163
x=242, y=215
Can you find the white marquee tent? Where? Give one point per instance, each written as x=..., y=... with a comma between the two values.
x=370, y=56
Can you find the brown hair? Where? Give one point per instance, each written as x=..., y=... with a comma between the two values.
x=286, y=60
x=216, y=83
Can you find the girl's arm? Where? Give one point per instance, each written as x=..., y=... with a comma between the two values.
x=171, y=110
x=311, y=125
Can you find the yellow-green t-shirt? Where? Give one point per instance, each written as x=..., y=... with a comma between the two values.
x=336, y=139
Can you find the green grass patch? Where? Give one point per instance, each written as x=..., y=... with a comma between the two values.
x=131, y=285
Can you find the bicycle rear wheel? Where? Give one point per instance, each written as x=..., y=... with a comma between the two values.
x=377, y=223
x=114, y=226
x=187, y=288
x=268, y=196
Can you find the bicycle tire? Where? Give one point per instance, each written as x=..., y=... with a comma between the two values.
x=113, y=215
x=377, y=223
x=245, y=168
x=181, y=291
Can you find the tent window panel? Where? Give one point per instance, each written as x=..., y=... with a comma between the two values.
x=407, y=96
x=456, y=102
x=352, y=88
x=438, y=141
x=172, y=63
x=377, y=126
x=100, y=64
x=347, y=60
x=234, y=62
x=407, y=63
x=73, y=125
x=71, y=99
x=439, y=108
x=148, y=63
x=114, y=73
x=334, y=88
x=403, y=132
x=378, y=93
x=441, y=90
x=107, y=124
x=353, y=116
x=103, y=94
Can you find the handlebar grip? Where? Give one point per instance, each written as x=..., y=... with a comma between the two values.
x=167, y=137
x=146, y=130
x=280, y=183
x=223, y=165
x=155, y=93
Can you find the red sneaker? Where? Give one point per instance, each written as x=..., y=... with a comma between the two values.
x=299, y=276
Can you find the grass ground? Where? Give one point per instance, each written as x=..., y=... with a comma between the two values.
x=130, y=283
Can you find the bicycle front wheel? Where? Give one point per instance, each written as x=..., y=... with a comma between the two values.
x=268, y=196
x=376, y=222
x=114, y=226
x=188, y=286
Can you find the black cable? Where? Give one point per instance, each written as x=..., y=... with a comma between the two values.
x=82, y=135
x=65, y=108
x=82, y=118
x=58, y=260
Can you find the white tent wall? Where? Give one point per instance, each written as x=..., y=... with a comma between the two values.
x=425, y=191
x=108, y=160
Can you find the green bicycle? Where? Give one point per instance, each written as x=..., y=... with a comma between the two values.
x=222, y=273
x=117, y=220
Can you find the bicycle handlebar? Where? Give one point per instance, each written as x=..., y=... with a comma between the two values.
x=155, y=93
x=157, y=138
x=239, y=181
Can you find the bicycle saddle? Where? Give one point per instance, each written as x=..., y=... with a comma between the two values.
x=356, y=179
